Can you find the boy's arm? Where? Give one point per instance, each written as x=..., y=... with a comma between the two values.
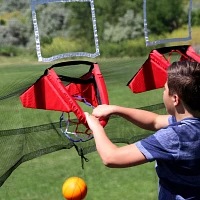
x=111, y=155
x=143, y=119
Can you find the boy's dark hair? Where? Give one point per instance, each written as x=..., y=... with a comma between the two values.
x=184, y=80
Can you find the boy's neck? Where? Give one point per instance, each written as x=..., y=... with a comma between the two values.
x=180, y=117
x=182, y=111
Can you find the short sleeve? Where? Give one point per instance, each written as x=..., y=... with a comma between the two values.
x=163, y=145
x=171, y=119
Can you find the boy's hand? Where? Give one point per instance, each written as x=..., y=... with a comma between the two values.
x=92, y=121
x=103, y=111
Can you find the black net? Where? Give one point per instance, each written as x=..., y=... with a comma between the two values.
x=29, y=133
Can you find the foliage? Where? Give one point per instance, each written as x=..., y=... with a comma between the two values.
x=196, y=18
x=162, y=13
x=52, y=19
x=60, y=45
x=12, y=5
x=15, y=33
x=80, y=22
x=130, y=26
x=110, y=17
x=8, y=51
x=119, y=24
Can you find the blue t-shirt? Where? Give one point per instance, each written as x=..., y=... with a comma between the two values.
x=176, y=149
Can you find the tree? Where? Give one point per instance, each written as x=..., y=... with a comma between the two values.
x=108, y=15
x=196, y=18
x=52, y=19
x=14, y=33
x=80, y=21
x=130, y=26
x=165, y=16
x=13, y=5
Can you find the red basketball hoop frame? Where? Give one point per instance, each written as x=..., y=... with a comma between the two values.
x=153, y=75
x=49, y=93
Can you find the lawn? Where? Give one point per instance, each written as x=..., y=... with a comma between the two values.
x=41, y=178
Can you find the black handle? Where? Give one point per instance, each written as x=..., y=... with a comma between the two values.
x=73, y=62
x=182, y=49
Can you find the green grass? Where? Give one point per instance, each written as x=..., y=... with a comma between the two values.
x=42, y=178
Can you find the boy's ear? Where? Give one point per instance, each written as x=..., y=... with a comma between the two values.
x=176, y=99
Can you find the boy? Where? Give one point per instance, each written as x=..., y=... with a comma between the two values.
x=175, y=146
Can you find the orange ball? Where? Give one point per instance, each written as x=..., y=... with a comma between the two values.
x=74, y=188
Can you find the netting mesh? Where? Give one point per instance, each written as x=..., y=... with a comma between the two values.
x=29, y=133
